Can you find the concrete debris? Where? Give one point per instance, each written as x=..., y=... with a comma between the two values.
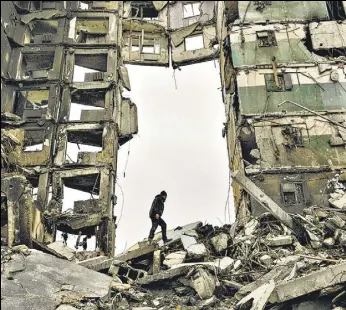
x=187, y=241
x=175, y=258
x=266, y=260
x=61, y=249
x=220, y=242
x=251, y=227
x=66, y=307
x=157, y=261
x=255, y=153
x=338, y=200
x=283, y=81
x=224, y=264
x=203, y=283
x=317, y=280
x=278, y=240
x=259, y=297
x=50, y=281
x=329, y=242
x=263, y=263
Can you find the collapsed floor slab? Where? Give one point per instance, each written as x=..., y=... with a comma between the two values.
x=42, y=279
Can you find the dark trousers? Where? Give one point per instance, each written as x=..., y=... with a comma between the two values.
x=154, y=224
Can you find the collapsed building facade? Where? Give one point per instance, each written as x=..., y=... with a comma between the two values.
x=283, y=85
x=283, y=78
x=283, y=74
x=43, y=45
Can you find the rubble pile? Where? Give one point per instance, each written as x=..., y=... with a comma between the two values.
x=261, y=265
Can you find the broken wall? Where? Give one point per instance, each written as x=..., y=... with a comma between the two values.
x=286, y=118
x=46, y=45
x=157, y=31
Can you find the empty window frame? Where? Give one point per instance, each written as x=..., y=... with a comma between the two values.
x=284, y=81
x=194, y=43
x=86, y=100
x=43, y=31
x=32, y=104
x=266, y=38
x=89, y=30
x=36, y=65
x=90, y=68
x=144, y=11
x=82, y=141
x=294, y=193
x=191, y=10
x=34, y=140
x=150, y=46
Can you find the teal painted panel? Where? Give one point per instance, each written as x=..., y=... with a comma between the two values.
x=253, y=99
x=286, y=52
x=283, y=10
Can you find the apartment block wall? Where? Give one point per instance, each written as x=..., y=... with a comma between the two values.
x=283, y=76
x=44, y=44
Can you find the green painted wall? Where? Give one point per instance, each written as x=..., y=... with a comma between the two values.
x=253, y=99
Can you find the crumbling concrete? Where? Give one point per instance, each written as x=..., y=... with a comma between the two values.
x=220, y=242
x=295, y=288
x=43, y=276
x=175, y=258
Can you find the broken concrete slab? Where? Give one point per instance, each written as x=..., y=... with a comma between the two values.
x=61, y=249
x=338, y=201
x=266, y=260
x=255, y=153
x=278, y=240
x=259, y=296
x=276, y=274
x=197, y=250
x=97, y=263
x=66, y=307
x=329, y=242
x=317, y=280
x=212, y=301
x=251, y=227
x=176, y=234
x=119, y=287
x=191, y=233
x=220, y=242
x=203, y=283
x=237, y=265
x=265, y=201
x=187, y=241
x=150, y=248
x=42, y=279
x=175, y=258
x=224, y=264
x=67, y=287
x=163, y=275
x=336, y=141
x=156, y=261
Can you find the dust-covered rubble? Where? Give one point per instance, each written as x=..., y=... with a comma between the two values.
x=260, y=265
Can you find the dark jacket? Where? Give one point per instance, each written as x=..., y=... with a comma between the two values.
x=157, y=206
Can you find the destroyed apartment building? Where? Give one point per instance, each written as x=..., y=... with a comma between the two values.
x=283, y=78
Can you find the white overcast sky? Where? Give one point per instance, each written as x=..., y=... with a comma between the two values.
x=179, y=149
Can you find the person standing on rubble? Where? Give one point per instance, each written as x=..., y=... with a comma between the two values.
x=155, y=215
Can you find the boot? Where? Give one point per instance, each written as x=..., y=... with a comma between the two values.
x=165, y=241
